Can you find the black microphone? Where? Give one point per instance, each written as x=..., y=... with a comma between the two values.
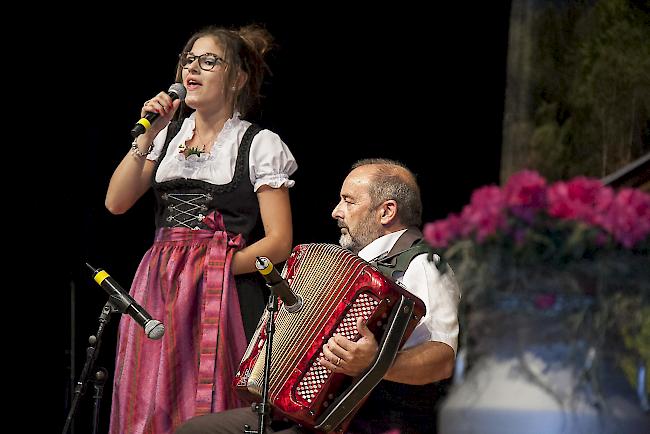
x=279, y=286
x=176, y=91
x=125, y=303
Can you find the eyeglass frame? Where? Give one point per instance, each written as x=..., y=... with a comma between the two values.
x=218, y=60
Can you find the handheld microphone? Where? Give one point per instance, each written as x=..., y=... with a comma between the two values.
x=176, y=91
x=125, y=303
x=279, y=286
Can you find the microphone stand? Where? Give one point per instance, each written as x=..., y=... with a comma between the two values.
x=100, y=376
x=263, y=408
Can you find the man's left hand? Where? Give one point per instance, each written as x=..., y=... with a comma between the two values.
x=347, y=357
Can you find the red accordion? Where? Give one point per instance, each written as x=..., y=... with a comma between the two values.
x=336, y=287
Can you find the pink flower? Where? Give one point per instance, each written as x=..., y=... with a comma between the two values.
x=623, y=216
x=441, y=232
x=628, y=217
x=581, y=199
x=525, y=194
x=573, y=199
x=485, y=213
x=602, y=202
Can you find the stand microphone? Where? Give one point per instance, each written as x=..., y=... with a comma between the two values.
x=126, y=304
x=279, y=286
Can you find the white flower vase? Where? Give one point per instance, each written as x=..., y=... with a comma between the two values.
x=532, y=377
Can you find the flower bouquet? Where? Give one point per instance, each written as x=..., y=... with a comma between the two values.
x=572, y=254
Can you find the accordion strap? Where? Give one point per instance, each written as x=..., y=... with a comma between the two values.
x=405, y=241
x=409, y=245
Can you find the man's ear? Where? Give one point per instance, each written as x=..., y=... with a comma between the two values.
x=388, y=212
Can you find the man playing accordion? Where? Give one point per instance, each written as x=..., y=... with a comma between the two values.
x=379, y=213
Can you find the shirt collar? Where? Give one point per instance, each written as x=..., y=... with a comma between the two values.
x=380, y=246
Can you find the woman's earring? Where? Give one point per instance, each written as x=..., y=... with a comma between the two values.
x=234, y=88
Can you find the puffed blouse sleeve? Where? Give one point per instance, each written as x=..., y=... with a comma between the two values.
x=158, y=143
x=270, y=162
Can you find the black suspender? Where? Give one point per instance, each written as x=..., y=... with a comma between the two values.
x=409, y=245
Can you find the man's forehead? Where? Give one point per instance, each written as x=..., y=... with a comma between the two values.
x=355, y=186
x=360, y=176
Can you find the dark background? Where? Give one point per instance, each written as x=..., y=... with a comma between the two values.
x=424, y=87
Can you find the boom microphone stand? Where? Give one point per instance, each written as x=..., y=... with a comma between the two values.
x=99, y=377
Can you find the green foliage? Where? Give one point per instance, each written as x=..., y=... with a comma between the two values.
x=636, y=338
x=591, y=87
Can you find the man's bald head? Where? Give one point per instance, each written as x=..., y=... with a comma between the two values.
x=392, y=180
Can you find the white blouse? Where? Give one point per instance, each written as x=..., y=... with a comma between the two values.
x=270, y=160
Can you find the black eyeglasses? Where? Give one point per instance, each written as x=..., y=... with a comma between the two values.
x=207, y=61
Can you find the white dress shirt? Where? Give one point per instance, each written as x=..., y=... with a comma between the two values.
x=439, y=292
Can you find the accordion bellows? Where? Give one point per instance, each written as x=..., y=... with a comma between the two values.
x=337, y=287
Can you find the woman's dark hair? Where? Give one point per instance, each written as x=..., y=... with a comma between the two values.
x=243, y=50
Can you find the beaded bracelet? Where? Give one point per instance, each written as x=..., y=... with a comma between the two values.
x=137, y=152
